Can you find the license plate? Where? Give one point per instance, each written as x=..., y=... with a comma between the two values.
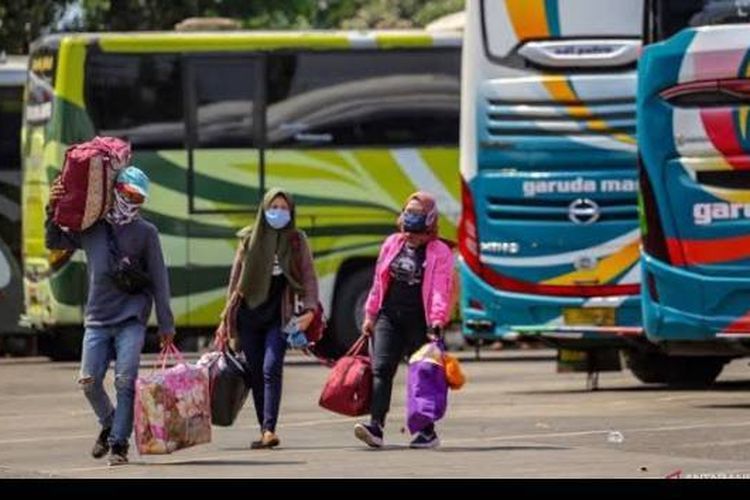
x=596, y=316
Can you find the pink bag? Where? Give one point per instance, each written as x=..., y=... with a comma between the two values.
x=88, y=176
x=172, y=407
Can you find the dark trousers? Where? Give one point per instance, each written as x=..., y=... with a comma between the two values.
x=398, y=334
x=264, y=347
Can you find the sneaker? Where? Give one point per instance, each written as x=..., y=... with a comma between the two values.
x=101, y=446
x=425, y=440
x=371, y=434
x=268, y=439
x=118, y=455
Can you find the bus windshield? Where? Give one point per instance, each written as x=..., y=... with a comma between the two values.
x=670, y=16
x=558, y=35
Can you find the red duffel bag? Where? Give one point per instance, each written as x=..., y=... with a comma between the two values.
x=88, y=177
x=348, y=389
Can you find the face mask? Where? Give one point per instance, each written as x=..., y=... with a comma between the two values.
x=414, y=223
x=278, y=218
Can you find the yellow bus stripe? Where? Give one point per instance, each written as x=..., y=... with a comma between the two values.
x=606, y=270
x=529, y=18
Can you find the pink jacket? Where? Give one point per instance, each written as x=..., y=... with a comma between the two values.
x=437, y=285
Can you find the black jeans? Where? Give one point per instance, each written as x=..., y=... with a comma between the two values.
x=398, y=334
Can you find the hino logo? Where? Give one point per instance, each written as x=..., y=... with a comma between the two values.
x=583, y=211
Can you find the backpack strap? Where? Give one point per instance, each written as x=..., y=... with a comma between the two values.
x=114, y=248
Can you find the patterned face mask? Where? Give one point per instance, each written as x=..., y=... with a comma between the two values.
x=124, y=211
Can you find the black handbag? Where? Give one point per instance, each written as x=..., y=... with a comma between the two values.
x=127, y=275
x=229, y=378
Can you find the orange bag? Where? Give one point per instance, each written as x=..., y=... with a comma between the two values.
x=454, y=375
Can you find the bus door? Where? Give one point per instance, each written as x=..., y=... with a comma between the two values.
x=11, y=289
x=223, y=115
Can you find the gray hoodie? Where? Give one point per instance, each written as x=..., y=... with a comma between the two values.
x=107, y=305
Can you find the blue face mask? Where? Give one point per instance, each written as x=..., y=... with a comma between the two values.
x=414, y=223
x=278, y=218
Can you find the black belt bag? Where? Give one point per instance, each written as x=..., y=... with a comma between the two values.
x=126, y=274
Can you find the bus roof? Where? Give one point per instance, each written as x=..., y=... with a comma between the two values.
x=247, y=40
x=13, y=70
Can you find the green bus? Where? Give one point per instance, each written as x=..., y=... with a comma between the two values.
x=350, y=122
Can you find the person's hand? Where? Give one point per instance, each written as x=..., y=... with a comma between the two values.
x=435, y=333
x=368, y=327
x=166, y=339
x=56, y=191
x=303, y=321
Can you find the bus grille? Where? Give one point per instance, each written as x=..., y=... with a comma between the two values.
x=605, y=117
x=506, y=210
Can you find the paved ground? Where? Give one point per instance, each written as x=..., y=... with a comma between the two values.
x=515, y=418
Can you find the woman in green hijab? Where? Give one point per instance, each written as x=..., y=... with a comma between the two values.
x=272, y=272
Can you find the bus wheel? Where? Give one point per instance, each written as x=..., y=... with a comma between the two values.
x=63, y=344
x=674, y=371
x=17, y=345
x=349, y=308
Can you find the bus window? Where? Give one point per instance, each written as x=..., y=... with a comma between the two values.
x=674, y=15
x=224, y=162
x=398, y=98
x=224, y=96
x=138, y=97
x=10, y=124
x=40, y=86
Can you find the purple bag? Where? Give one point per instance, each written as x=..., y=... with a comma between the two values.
x=426, y=387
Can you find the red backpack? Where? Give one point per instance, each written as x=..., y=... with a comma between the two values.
x=88, y=176
x=348, y=389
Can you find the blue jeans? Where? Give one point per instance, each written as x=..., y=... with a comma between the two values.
x=101, y=345
x=264, y=347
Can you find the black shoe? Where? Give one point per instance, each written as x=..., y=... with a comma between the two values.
x=425, y=440
x=371, y=434
x=101, y=446
x=119, y=454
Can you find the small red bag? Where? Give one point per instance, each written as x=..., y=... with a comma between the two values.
x=348, y=389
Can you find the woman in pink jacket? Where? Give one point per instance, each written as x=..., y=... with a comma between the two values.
x=409, y=302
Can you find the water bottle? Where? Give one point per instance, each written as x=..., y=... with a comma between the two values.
x=615, y=437
x=295, y=337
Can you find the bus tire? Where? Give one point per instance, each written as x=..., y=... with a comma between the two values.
x=17, y=345
x=62, y=344
x=674, y=371
x=348, y=308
